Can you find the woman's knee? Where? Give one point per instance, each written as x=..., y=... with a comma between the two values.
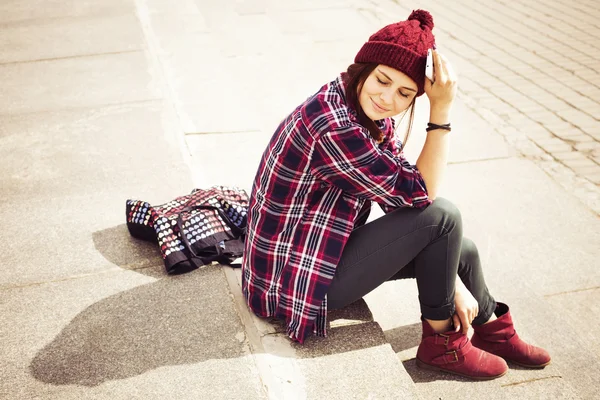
x=445, y=212
x=468, y=252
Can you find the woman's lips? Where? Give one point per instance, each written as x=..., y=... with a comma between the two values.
x=378, y=108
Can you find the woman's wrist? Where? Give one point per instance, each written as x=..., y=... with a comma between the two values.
x=439, y=116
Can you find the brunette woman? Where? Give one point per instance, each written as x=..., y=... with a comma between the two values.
x=308, y=249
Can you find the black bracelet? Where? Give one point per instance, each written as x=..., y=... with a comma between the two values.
x=431, y=127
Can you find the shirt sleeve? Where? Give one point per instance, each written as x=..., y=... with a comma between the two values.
x=394, y=145
x=349, y=159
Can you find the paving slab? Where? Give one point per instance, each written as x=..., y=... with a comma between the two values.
x=308, y=5
x=200, y=81
x=339, y=53
x=434, y=386
x=125, y=334
x=302, y=74
x=353, y=362
x=218, y=14
x=581, y=356
x=528, y=231
x=39, y=151
x=184, y=9
x=76, y=83
x=260, y=36
x=226, y=158
x=178, y=32
x=73, y=171
x=15, y=11
x=575, y=359
x=543, y=239
x=326, y=24
x=69, y=37
x=201, y=92
x=252, y=7
x=587, y=304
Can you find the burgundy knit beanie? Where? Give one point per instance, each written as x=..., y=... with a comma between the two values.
x=402, y=46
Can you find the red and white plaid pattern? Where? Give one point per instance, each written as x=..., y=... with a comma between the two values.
x=316, y=173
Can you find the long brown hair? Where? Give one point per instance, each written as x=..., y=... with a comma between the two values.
x=354, y=78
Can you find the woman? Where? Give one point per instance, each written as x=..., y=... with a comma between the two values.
x=308, y=248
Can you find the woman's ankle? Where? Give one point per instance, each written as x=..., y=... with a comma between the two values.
x=440, y=326
x=492, y=318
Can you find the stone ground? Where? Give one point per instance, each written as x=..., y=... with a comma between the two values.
x=145, y=99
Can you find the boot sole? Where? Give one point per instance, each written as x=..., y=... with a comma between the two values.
x=423, y=365
x=539, y=366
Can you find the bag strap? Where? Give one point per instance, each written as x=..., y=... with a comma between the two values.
x=234, y=228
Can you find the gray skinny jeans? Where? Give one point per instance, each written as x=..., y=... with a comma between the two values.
x=426, y=244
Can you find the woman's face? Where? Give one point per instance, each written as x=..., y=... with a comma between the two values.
x=386, y=93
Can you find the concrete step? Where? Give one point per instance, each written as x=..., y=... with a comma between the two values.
x=355, y=361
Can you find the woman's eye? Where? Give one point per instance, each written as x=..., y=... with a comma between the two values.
x=403, y=95
x=382, y=82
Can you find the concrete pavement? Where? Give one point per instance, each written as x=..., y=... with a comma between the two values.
x=144, y=99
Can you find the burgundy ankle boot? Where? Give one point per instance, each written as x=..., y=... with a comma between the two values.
x=500, y=338
x=452, y=352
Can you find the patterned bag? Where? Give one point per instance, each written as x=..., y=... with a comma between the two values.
x=193, y=230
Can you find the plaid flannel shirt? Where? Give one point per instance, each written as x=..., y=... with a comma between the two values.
x=315, y=175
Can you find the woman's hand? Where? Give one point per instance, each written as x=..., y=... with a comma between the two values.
x=467, y=307
x=442, y=91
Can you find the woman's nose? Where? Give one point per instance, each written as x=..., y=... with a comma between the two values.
x=386, y=97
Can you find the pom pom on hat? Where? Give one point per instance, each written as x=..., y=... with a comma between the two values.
x=403, y=46
x=423, y=17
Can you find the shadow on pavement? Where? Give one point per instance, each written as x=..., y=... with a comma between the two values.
x=419, y=375
x=175, y=320
x=404, y=337
x=350, y=328
x=127, y=252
